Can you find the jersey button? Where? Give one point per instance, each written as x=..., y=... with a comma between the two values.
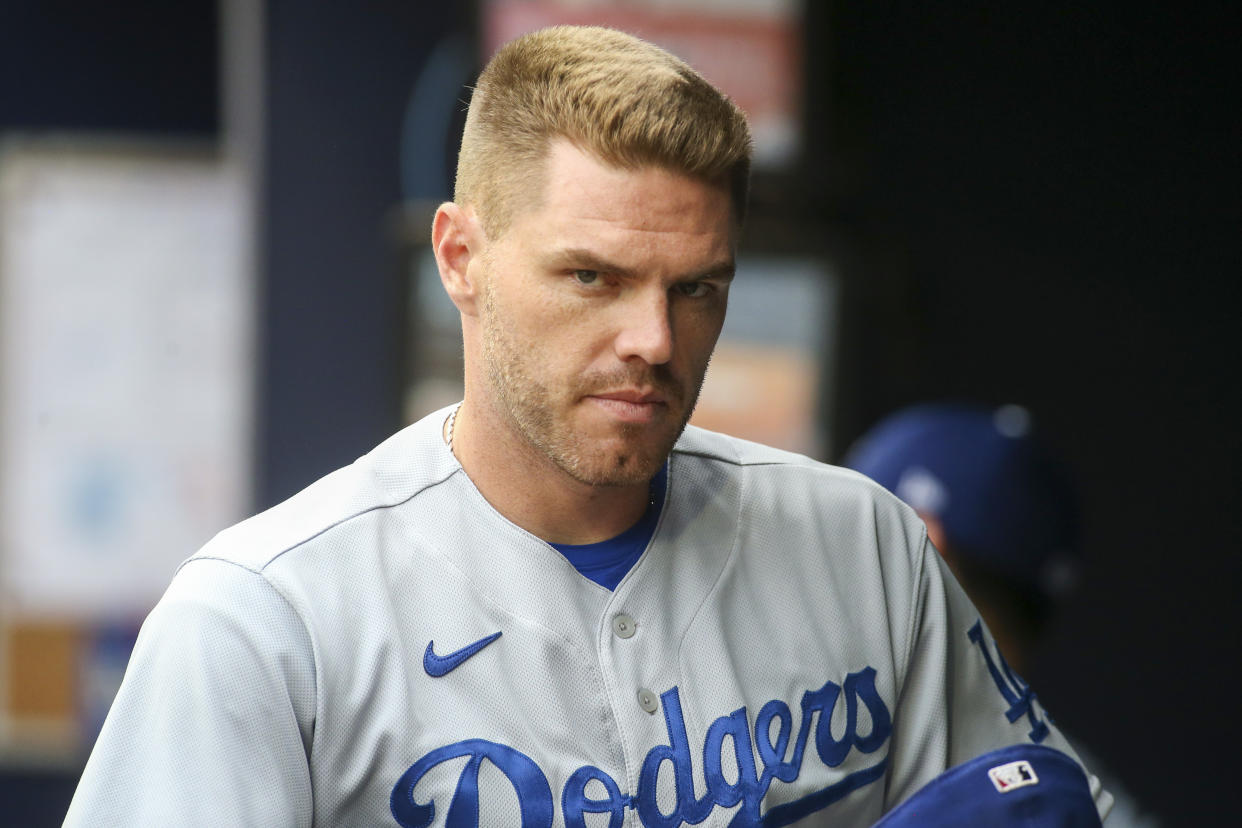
x=648, y=701
x=624, y=626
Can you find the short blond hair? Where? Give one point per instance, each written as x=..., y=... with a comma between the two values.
x=622, y=99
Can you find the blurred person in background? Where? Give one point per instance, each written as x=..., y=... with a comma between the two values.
x=1002, y=511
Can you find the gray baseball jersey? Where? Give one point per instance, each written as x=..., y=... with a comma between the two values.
x=384, y=648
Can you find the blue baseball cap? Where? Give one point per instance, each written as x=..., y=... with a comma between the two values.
x=1002, y=499
x=1021, y=786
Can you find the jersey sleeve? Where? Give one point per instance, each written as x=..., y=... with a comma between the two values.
x=214, y=720
x=959, y=697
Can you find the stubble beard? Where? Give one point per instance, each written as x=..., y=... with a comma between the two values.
x=531, y=408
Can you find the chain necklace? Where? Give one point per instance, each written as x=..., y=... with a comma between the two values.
x=451, y=423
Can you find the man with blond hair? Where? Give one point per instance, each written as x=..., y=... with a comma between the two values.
x=555, y=604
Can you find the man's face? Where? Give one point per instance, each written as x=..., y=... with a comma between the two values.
x=600, y=309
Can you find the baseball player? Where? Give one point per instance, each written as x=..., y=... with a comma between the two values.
x=554, y=604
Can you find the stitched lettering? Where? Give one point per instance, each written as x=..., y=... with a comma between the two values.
x=533, y=791
x=731, y=775
x=1017, y=692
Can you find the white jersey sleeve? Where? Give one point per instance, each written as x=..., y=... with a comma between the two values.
x=959, y=697
x=214, y=720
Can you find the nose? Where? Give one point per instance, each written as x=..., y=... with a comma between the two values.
x=646, y=330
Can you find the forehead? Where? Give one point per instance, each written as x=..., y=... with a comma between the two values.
x=583, y=199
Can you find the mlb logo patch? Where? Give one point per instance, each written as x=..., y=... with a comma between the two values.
x=1014, y=775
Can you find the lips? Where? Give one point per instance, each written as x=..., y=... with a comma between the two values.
x=631, y=396
x=630, y=405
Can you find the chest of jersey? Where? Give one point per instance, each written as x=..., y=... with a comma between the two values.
x=605, y=749
x=493, y=685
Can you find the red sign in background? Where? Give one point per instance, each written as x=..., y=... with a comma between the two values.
x=751, y=51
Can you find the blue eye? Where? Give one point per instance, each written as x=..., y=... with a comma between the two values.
x=586, y=277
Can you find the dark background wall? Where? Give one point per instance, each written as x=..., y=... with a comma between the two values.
x=141, y=67
x=340, y=78
x=1045, y=200
x=1033, y=203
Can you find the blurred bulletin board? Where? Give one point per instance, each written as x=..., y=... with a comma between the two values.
x=125, y=399
x=125, y=372
x=751, y=49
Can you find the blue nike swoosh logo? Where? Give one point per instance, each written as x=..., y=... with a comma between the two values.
x=437, y=666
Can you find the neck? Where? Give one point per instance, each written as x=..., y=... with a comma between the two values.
x=530, y=490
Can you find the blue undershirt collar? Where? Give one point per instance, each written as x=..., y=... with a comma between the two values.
x=607, y=561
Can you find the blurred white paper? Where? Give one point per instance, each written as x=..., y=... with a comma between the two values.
x=125, y=372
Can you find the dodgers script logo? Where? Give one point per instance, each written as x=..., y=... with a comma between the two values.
x=776, y=762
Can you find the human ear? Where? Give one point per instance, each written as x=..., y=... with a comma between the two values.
x=456, y=239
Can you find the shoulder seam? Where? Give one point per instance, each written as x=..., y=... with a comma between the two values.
x=917, y=604
x=358, y=514
x=326, y=528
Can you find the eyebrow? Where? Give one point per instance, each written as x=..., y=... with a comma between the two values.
x=583, y=259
